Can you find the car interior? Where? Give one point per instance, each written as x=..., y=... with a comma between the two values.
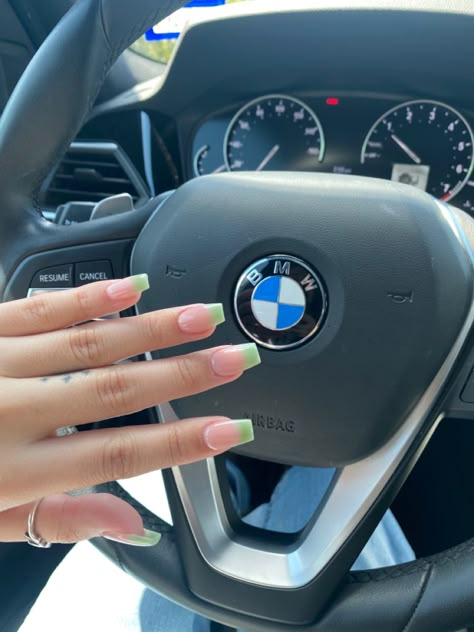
x=337, y=131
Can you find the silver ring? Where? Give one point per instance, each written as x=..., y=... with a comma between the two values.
x=65, y=431
x=31, y=536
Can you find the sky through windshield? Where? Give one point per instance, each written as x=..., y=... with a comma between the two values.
x=158, y=43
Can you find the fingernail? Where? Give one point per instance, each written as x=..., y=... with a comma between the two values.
x=223, y=435
x=231, y=360
x=150, y=538
x=200, y=318
x=128, y=287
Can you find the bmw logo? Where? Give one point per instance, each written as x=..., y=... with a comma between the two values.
x=280, y=302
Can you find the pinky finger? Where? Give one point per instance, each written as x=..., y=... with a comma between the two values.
x=69, y=519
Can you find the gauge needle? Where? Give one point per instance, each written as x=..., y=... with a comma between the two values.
x=268, y=157
x=407, y=150
x=219, y=169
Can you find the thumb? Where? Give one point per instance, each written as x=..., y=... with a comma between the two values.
x=68, y=519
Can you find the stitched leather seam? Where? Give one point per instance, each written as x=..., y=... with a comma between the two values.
x=150, y=520
x=420, y=597
x=117, y=557
x=466, y=548
x=41, y=174
x=391, y=572
x=154, y=15
x=421, y=565
x=102, y=22
x=111, y=55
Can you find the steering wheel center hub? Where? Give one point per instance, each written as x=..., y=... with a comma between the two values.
x=280, y=302
x=313, y=269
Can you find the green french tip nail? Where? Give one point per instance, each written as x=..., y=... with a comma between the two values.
x=245, y=430
x=140, y=282
x=216, y=313
x=251, y=355
x=151, y=538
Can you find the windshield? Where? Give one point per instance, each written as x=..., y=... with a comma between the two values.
x=158, y=43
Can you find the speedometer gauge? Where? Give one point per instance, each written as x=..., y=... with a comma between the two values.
x=423, y=143
x=275, y=132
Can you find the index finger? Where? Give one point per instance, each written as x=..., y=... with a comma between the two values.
x=56, y=310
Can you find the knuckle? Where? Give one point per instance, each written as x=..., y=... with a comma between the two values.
x=152, y=328
x=66, y=534
x=116, y=393
x=84, y=345
x=187, y=376
x=64, y=530
x=83, y=302
x=118, y=457
x=176, y=445
x=37, y=309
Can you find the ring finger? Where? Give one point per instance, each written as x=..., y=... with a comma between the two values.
x=119, y=390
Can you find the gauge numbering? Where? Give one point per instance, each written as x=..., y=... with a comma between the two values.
x=274, y=132
x=427, y=144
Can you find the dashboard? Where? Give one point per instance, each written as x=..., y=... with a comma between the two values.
x=421, y=142
x=378, y=88
x=365, y=91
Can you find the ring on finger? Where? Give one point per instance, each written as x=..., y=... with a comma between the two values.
x=64, y=431
x=31, y=535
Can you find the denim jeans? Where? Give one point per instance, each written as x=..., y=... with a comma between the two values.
x=87, y=592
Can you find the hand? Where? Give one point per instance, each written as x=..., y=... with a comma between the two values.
x=52, y=375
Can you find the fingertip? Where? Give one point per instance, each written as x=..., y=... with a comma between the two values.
x=220, y=436
x=201, y=319
x=147, y=539
x=128, y=289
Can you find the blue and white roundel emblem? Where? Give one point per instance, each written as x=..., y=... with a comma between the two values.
x=280, y=302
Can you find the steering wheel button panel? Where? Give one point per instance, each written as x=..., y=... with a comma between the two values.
x=34, y=291
x=55, y=277
x=35, y=273
x=91, y=271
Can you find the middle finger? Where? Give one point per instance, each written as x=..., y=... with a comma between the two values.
x=101, y=343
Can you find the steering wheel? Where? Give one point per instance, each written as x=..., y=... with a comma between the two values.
x=371, y=347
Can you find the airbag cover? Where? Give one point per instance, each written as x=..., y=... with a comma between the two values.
x=398, y=285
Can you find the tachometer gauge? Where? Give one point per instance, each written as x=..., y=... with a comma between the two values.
x=423, y=143
x=275, y=132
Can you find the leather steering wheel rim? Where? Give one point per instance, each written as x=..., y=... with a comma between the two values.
x=434, y=592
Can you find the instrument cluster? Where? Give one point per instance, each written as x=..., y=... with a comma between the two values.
x=419, y=142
